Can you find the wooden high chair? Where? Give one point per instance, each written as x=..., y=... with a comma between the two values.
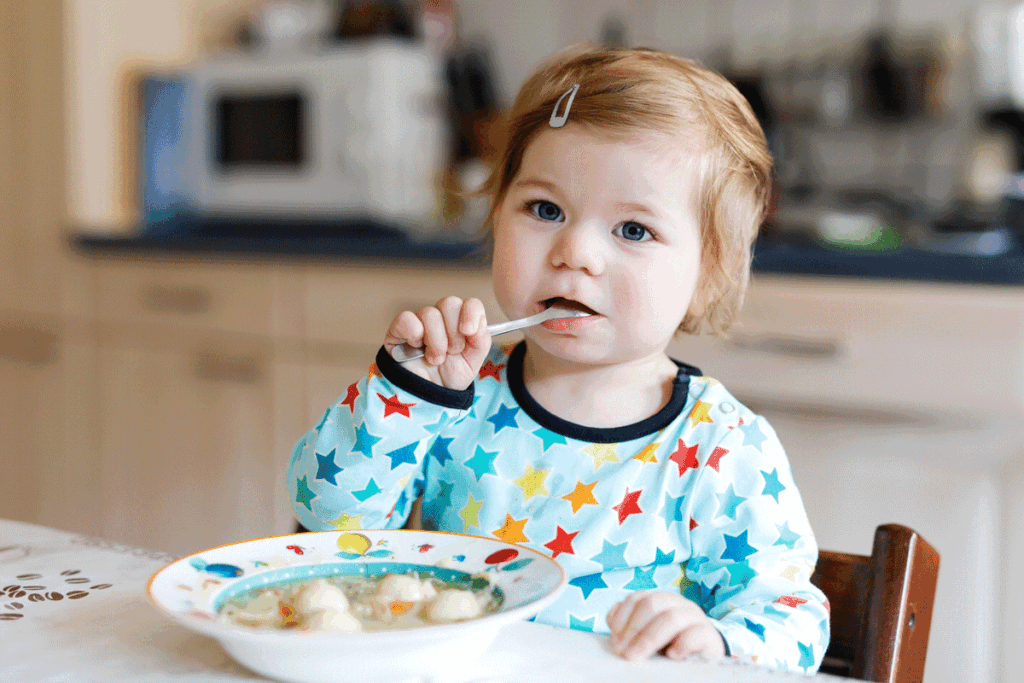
x=881, y=606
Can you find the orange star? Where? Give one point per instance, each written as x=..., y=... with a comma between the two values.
x=350, y=399
x=648, y=453
x=393, y=405
x=489, y=369
x=507, y=348
x=582, y=495
x=512, y=532
x=716, y=457
x=685, y=457
x=562, y=542
x=374, y=371
x=790, y=601
x=628, y=506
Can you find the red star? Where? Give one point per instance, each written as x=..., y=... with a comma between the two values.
x=393, y=405
x=562, y=542
x=790, y=601
x=628, y=506
x=737, y=425
x=716, y=456
x=693, y=524
x=489, y=369
x=685, y=457
x=828, y=607
x=350, y=399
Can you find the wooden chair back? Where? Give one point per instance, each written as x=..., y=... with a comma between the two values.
x=881, y=607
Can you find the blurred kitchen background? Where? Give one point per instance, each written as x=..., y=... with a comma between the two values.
x=210, y=210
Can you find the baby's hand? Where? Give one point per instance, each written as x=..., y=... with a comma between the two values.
x=454, y=335
x=648, y=621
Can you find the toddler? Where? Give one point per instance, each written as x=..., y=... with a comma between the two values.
x=631, y=188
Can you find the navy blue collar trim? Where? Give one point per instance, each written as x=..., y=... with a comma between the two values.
x=646, y=427
x=423, y=388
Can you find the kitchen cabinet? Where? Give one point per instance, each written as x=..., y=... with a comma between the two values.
x=187, y=439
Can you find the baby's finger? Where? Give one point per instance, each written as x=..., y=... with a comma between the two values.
x=655, y=634
x=435, y=336
x=632, y=615
x=472, y=318
x=451, y=307
x=406, y=328
x=702, y=640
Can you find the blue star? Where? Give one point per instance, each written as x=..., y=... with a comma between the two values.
x=737, y=548
x=752, y=435
x=642, y=580
x=739, y=573
x=472, y=408
x=505, y=417
x=664, y=558
x=772, y=487
x=549, y=438
x=728, y=502
x=581, y=624
x=371, y=490
x=702, y=595
x=439, y=450
x=756, y=629
x=806, y=655
x=403, y=498
x=365, y=441
x=482, y=463
x=304, y=495
x=775, y=614
x=323, y=419
x=326, y=468
x=787, y=537
x=694, y=563
x=444, y=494
x=588, y=584
x=673, y=510
x=611, y=556
x=436, y=427
x=405, y=454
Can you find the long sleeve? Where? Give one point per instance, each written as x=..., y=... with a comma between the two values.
x=362, y=465
x=754, y=553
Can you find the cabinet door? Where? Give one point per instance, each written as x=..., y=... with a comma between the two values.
x=31, y=155
x=31, y=377
x=187, y=442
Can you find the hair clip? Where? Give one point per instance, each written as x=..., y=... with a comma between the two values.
x=557, y=121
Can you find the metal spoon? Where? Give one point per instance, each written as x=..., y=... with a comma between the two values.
x=405, y=352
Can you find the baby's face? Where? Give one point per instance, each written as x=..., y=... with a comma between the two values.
x=608, y=224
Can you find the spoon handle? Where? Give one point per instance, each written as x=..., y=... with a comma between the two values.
x=405, y=352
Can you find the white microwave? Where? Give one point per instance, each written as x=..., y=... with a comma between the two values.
x=356, y=132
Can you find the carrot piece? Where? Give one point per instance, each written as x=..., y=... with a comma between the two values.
x=400, y=607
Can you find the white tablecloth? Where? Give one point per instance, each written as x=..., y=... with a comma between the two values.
x=74, y=610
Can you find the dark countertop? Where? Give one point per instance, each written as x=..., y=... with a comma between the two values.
x=370, y=242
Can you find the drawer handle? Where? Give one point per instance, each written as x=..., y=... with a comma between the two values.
x=794, y=347
x=27, y=346
x=215, y=366
x=184, y=300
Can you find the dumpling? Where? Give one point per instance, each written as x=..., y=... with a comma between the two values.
x=331, y=620
x=453, y=605
x=321, y=595
x=404, y=588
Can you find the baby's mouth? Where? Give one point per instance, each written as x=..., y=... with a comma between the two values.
x=568, y=303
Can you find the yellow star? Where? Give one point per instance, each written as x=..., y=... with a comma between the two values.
x=469, y=513
x=346, y=521
x=700, y=413
x=532, y=482
x=683, y=581
x=710, y=380
x=404, y=480
x=790, y=572
x=582, y=495
x=648, y=453
x=601, y=453
x=512, y=532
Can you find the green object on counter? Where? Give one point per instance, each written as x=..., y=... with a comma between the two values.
x=847, y=236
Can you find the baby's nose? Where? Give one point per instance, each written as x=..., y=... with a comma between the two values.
x=580, y=247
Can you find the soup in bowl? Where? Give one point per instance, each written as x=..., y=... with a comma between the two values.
x=359, y=606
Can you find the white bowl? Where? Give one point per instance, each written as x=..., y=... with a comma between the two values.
x=190, y=591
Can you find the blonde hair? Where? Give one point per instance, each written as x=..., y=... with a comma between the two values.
x=641, y=90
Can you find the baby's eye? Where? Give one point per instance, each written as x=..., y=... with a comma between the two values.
x=546, y=211
x=634, y=232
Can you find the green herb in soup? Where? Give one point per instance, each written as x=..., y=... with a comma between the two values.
x=362, y=603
